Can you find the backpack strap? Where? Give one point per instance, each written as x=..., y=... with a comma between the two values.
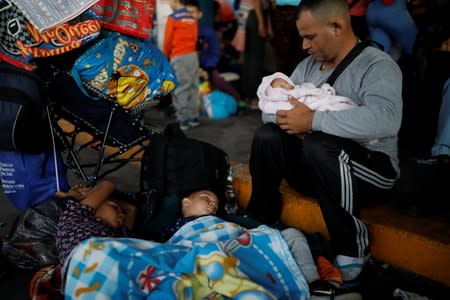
x=350, y=57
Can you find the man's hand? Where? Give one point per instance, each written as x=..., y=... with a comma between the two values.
x=298, y=120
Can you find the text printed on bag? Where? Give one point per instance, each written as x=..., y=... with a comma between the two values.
x=10, y=186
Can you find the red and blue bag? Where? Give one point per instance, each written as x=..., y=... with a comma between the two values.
x=131, y=17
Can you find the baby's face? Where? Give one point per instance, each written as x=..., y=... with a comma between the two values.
x=201, y=203
x=281, y=83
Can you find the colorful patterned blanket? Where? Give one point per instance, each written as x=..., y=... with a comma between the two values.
x=45, y=14
x=207, y=258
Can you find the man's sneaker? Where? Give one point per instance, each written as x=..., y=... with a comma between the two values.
x=193, y=122
x=184, y=125
x=351, y=268
x=324, y=289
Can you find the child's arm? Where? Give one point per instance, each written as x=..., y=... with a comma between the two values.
x=168, y=37
x=98, y=194
x=77, y=192
x=130, y=213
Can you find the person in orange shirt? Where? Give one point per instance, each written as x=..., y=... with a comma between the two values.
x=179, y=45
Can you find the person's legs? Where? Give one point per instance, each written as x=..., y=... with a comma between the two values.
x=344, y=173
x=218, y=82
x=271, y=152
x=253, y=67
x=401, y=26
x=193, y=102
x=338, y=172
x=185, y=95
x=442, y=142
x=377, y=34
x=393, y=22
x=285, y=40
x=181, y=94
x=298, y=245
x=403, y=30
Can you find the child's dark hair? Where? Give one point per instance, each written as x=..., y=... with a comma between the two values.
x=194, y=3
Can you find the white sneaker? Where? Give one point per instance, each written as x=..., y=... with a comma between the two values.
x=193, y=122
x=323, y=289
x=350, y=267
x=184, y=125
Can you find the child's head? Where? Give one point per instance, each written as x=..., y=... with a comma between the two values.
x=281, y=83
x=176, y=4
x=200, y=203
x=194, y=8
x=111, y=213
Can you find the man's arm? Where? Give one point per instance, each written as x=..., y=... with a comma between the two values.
x=374, y=83
x=379, y=99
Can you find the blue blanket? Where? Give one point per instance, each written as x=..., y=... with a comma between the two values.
x=206, y=258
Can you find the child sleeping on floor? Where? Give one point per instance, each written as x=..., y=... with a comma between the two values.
x=91, y=212
x=322, y=278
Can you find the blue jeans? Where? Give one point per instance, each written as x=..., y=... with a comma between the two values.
x=442, y=143
x=391, y=23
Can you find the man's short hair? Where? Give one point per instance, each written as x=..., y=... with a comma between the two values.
x=324, y=9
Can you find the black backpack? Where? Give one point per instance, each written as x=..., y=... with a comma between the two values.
x=174, y=164
x=23, y=123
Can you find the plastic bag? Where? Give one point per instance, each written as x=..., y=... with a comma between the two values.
x=219, y=105
x=31, y=242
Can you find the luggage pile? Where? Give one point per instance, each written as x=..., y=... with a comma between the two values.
x=105, y=51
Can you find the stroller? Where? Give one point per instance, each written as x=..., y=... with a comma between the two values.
x=106, y=124
x=104, y=94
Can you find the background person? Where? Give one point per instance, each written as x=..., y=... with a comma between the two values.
x=180, y=46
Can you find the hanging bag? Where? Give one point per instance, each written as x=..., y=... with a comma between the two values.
x=28, y=179
x=23, y=124
x=125, y=69
x=21, y=42
x=131, y=17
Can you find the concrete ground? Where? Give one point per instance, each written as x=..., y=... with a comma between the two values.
x=234, y=135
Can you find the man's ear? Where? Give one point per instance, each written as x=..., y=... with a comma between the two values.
x=336, y=25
